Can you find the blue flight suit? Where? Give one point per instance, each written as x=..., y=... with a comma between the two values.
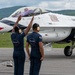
x=18, y=54
x=35, y=63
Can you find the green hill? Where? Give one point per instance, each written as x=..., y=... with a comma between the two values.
x=66, y=12
x=5, y=12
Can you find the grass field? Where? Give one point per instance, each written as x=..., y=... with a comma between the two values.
x=5, y=41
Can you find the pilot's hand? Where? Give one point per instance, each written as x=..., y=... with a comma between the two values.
x=19, y=18
x=28, y=57
x=33, y=17
x=42, y=58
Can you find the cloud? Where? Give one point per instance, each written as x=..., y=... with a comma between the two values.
x=58, y=4
x=70, y=5
x=9, y=3
x=51, y=4
x=43, y=4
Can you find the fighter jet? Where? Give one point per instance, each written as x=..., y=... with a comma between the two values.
x=54, y=27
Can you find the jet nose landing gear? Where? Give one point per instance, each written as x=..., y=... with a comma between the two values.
x=68, y=51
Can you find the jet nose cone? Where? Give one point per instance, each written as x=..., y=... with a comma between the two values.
x=5, y=27
x=1, y=28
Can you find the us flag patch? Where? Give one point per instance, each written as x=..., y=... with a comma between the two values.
x=54, y=18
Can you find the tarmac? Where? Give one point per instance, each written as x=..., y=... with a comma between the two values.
x=54, y=63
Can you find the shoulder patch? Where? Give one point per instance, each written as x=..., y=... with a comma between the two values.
x=40, y=37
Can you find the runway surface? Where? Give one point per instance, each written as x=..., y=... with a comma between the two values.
x=55, y=62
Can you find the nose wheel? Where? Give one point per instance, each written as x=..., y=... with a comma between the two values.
x=68, y=51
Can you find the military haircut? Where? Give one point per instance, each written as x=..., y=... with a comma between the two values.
x=16, y=29
x=35, y=25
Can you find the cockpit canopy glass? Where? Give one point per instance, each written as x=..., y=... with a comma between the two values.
x=26, y=12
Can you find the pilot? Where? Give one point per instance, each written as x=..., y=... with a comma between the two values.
x=18, y=43
x=37, y=52
x=27, y=12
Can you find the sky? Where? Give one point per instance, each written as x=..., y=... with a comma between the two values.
x=50, y=4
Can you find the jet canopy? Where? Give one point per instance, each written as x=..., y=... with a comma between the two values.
x=28, y=11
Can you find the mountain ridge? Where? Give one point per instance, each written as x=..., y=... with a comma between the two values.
x=5, y=12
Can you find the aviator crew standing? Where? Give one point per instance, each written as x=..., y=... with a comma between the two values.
x=37, y=52
x=18, y=43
